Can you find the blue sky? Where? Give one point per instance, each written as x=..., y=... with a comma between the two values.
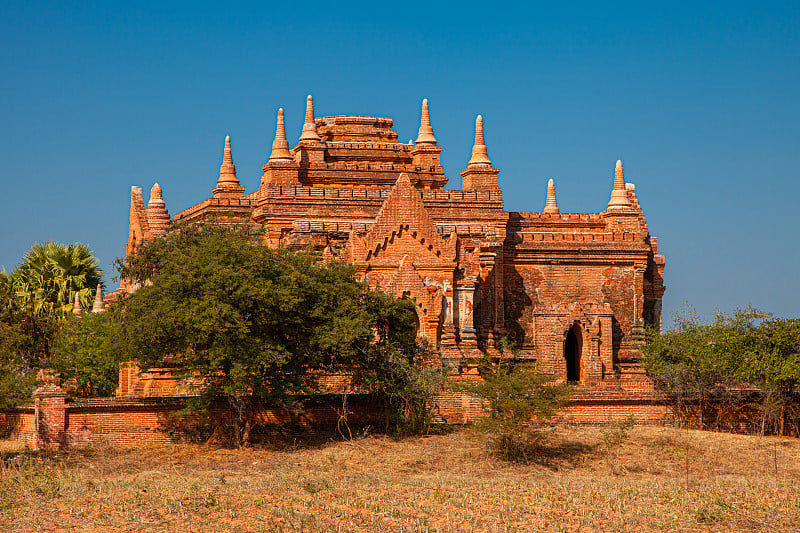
x=701, y=102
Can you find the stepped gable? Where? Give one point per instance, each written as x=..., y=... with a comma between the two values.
x=403, y=217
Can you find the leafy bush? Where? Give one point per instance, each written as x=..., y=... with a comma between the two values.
x=717, y=364
x=518, y=399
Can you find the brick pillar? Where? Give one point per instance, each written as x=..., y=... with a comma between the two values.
x=497, y=301
x=51, y=419
x=637, y=329
x=606, y=349
x=638, y=295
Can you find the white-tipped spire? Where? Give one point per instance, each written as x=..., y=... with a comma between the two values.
x=227, y=171
x=479, y=154
x=157, y=214
x=76, y=307
x=98, y=306
x=280, y=146
x=425, y=135
x=309, y=127
x=156, y=197
x=550, y=205
x=619, y=196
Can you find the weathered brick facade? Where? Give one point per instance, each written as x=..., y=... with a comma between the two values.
x=572, y=290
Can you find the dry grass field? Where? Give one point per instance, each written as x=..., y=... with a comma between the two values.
x=660, y=479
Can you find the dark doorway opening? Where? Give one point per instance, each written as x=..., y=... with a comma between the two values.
x=572, y=353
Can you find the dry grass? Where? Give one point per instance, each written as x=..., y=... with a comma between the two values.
x=661, y=479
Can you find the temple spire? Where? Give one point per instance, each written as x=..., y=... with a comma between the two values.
x=619, y=196
x=280, y=146
x=157, y=214
x=228, y=185
x=479, y=154
x=550, y=205
x=310, y=127
x=156, y=197
x=227, y=171
x=98, y=306
x=76, y=307
x=425, y=135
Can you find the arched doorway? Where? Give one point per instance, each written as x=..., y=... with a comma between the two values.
x=572, y=353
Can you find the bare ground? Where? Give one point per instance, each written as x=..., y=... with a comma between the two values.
x=659, y=479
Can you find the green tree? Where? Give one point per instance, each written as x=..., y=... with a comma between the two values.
x=85, y=353
x=700, y=363
x=764, y=351
x=50, y=274
x=684, y=362
x=5, y=282
x=251, y=324
x=25, y=340
x=518, y=398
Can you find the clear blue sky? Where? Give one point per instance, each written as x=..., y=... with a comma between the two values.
x=700, y=101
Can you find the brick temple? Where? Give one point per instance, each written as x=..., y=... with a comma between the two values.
x=573, y=291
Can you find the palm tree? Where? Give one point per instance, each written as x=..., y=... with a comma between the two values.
x=5, y=282
x=51, y=274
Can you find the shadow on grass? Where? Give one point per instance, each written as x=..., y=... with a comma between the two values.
x=294, y=438
x=560, y=455
x=555, y=454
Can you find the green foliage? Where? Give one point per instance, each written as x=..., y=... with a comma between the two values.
x=85, y=353
x=699, y=362
x=25, y=340
x=400, y=375
x=5, y=282
x=34, y=299
x=517, y=397
x=258, y=325
x=50, y=274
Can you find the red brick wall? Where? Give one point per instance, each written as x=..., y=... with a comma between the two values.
x=19, y=424
x=141, y=421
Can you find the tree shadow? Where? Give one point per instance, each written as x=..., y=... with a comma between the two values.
x=554, y=454
x=561, y=455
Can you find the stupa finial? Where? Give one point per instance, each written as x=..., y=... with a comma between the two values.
x=309, y=127
x=76, y=307
x=227, y=171
x=280, y=146
x=619, y=196
x=156, y=197
x=425, y=135
x=550, y=205
x=98, y=306
x=479, y=154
